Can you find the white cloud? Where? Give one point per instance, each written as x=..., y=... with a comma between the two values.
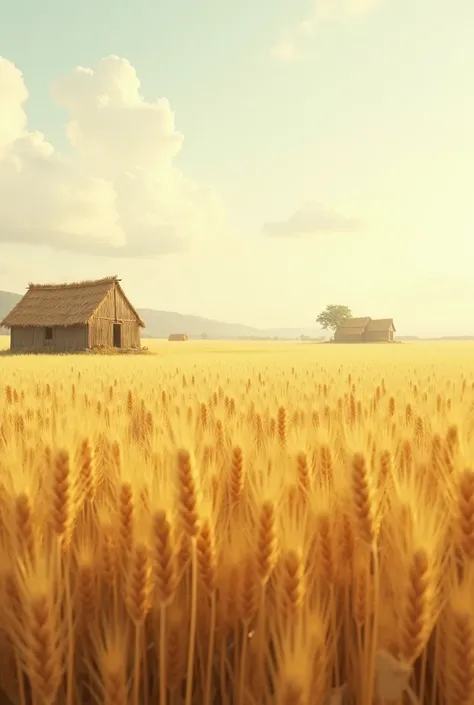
x=312, y=218
x=289, y=47
x=118, y=191
x=14, y=95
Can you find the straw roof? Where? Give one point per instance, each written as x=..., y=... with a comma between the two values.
x=48, y=305
x=381, y=325
x=353, y=326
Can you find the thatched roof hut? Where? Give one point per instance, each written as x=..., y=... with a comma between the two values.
x=74, y=316
x=174, y=337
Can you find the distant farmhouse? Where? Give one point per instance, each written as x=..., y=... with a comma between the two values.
x=174, y=337
x=68, y=317
x=365, y=330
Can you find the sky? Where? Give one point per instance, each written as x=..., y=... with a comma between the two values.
x=248, y=163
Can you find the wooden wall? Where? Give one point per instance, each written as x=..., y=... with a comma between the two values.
x=114, y=309
x=373, y=336
x=26, y=338
x=71, y=338
x=345, y=337
x=64, y=339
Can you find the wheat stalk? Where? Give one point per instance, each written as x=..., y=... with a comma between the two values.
x=188, y=512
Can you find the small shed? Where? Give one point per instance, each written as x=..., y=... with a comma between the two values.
x=78, y=316
x=177, y=336
x=379, y=330
x=351, y=330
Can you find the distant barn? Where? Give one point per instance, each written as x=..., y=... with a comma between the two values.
x=365, y=330
x=68, y=317
x=379, y=330
x=351, y=330
x=178, y=336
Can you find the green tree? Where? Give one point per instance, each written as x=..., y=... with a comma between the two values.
x=333, y=315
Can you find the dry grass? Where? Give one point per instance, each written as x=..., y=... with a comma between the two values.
x=238, y=524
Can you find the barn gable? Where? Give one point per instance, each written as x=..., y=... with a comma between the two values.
x=381, y=325
x=115, y=304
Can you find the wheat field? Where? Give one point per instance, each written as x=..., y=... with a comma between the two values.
x=238, y=524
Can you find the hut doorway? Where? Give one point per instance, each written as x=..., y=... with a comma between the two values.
x=117, y=335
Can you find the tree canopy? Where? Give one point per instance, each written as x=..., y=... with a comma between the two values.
x=333, y=315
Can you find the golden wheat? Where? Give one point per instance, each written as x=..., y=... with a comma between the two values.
x=260, y=525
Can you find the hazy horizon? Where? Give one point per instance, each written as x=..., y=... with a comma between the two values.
x=246, y=167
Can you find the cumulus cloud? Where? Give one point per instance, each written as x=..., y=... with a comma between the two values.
x=118, y=191
x=288, y=48
x=312, y=218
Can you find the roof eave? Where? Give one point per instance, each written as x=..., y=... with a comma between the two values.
x=42, y=325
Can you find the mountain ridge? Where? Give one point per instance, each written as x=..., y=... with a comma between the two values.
x=161, y=324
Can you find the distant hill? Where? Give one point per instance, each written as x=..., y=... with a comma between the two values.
x=7, y=302
x=161, y=324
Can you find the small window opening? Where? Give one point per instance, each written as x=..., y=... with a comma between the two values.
x=49, y=334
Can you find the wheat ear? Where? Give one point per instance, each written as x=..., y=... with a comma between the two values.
x=363, y=501
x=61, y=497
x=303, y=475
x=266, y=555
x=24, y=526
x=126, y=525
x=207, y=565
x=465, y=513
x=43, y=653
x=165, y=582
x=188, y=512
x=14, y=621
x=459, y=671
x=328, y=561
x=291, y=584
x=282, y=424
x=62, y=519
x=86, y=469
x=236, y=475
x=108, y=553
x=415, y=620
x=137, y=603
